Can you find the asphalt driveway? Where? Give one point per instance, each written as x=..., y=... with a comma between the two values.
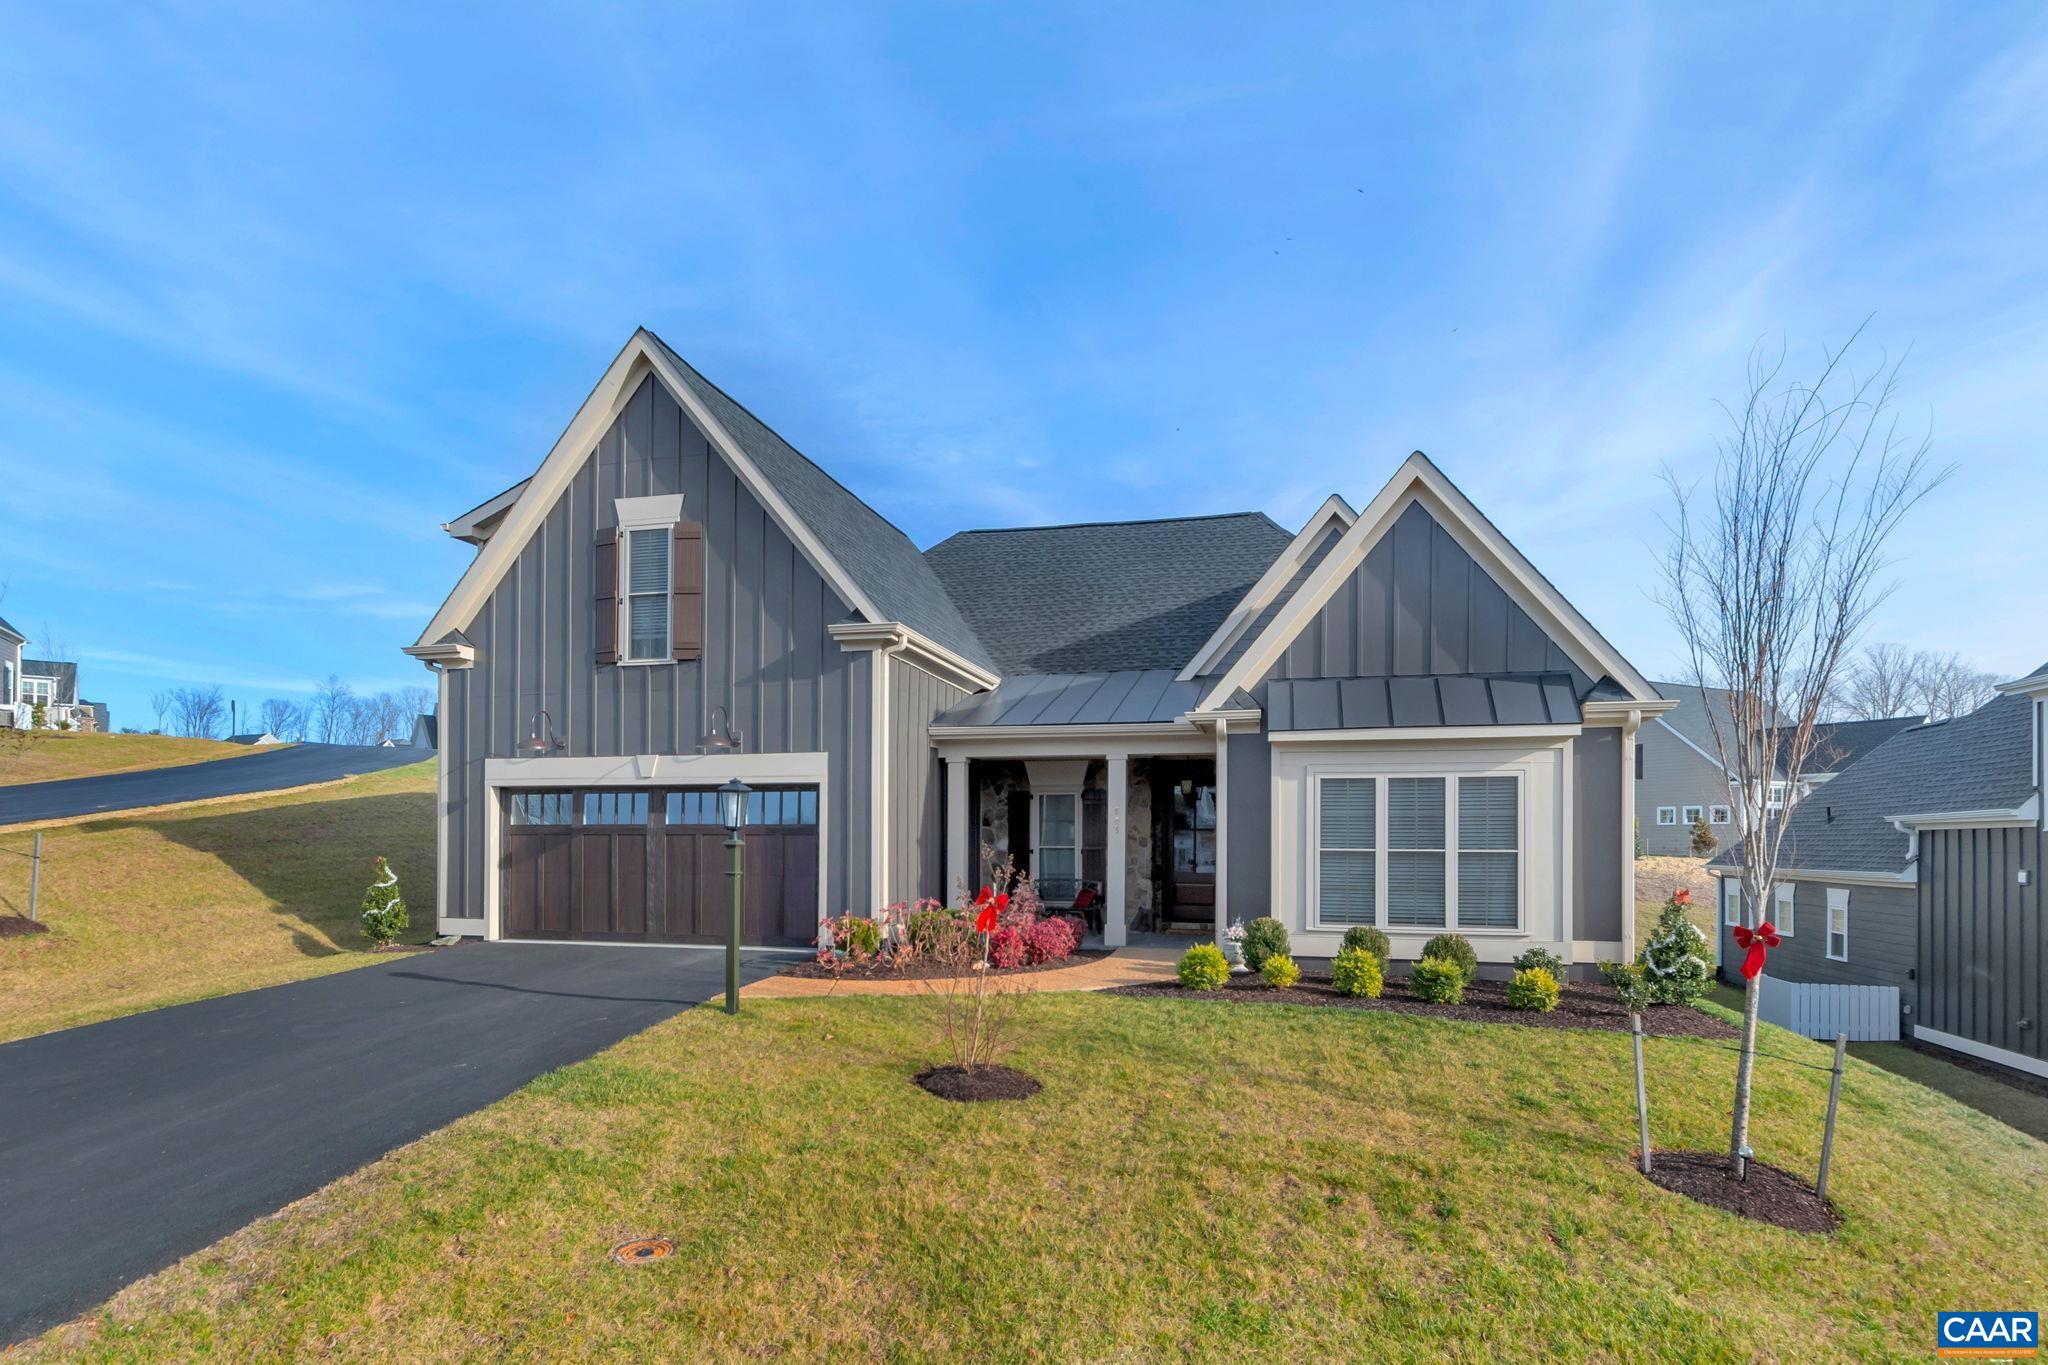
x=128, y=1144
x=272, y=770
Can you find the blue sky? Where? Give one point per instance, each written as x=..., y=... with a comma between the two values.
x=282, y=289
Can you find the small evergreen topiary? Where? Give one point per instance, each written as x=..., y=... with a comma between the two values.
x=1544, y=958
x=384, y=914
x=1204, y=968
x=1631, y=984
x=1264, y=937
x=1371, y=940
x=1454, y=948
x=1357, y=971
x=1673, y=958
x=1280, y=971
x=1533, y=988
x=1438, y=980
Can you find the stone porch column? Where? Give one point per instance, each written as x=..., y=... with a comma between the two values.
x=1116, y=852
x=960, y=868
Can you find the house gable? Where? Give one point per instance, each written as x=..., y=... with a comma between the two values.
x=1422, y=583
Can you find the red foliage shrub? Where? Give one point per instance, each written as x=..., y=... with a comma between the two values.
x=1050, y=940
x=1006, y=948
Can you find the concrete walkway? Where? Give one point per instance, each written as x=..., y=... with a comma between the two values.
x=1125, y=967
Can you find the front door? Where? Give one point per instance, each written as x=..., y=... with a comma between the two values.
x=1186, y=798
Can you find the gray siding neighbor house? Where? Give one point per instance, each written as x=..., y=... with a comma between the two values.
x=1679, y=774
x=1386, y=717
x=1920, y=867
x=52, y=684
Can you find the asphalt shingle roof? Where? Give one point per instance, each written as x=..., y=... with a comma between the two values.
x=1689, y=718
x=1105, y=596
x=11, y=630
x=880, y=558
x=1975, y=762
x=1837, y=744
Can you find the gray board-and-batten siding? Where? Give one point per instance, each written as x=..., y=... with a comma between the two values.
x=789, y=687
x=1982, y=948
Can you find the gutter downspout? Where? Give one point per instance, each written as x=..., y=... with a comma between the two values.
x=1628, y=833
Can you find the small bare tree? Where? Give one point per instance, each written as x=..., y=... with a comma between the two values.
x=284, y=718
x=1769, y=577
x=199, y=712
x=333, y=708
x=161, y=703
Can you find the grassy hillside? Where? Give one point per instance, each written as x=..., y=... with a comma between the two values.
x=1248, y=1182
x=52, y=755
x=152, y=909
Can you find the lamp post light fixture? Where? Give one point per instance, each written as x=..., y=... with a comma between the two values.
x=732, y=813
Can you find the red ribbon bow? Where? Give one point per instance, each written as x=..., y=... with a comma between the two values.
x=1764, y=936
x=989, y=906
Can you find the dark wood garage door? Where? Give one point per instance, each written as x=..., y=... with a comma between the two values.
x=648, y=865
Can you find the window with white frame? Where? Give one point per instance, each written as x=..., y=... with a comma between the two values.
x=1691, y=815
x=1778, y=791
x=647, y=593
x=35, y=690
x=1347, y=868
x=1720, y=815
x=1667, y=815
x=1783, y=921
x=1056, y=853
x=1418, y=852
x=1731, y=903
x=1838, y=924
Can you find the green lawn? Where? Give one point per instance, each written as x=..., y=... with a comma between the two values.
x=50, y=755
x=153, y=909
x=1196, y=1180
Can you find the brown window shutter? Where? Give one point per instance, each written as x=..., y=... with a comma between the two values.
x=686, y=600
x=607, y=605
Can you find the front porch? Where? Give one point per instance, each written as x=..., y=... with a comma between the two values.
x=1133, y=839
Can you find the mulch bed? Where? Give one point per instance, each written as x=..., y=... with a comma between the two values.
x=967, y=1087
x=1582, y=1005
x=21, y=926
x=1769, y=1195
x=880, y=970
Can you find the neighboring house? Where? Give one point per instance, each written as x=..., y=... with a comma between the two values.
x=1389, y=717
x=1837, y=744
x=263, y=737
x=1920, y=868
x=26, y=683
x=423, y=733
x=102, y=718
x=1679, y=774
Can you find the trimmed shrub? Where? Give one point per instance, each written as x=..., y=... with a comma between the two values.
x=1006, y=947
x=930, y=931
x=1264, y=937
x=1673, y=958
x=1631, y=984
x=384, y=913
x=1204, y=968
x=1454, y=948
x=1371, y=940
x=1438, y=980
x=1544, y=958
x=1050, y=940
x=1280, y=971
x=1533, y=988
x=856, y=936
x=1357, y=971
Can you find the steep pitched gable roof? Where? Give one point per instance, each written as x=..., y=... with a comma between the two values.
x=1104, y=596
x=11, y=633
x=1419, y=482
x=1689, y=719
x=869, y=562
x=1974, y=762
x=1837, y=744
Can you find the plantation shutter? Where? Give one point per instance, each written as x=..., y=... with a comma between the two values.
x=607, y=604
x=686, y=602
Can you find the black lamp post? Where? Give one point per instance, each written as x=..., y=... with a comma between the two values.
x=732, y=813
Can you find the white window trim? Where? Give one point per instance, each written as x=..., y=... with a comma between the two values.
x=658, y=513
x=1663, y=812
x=1720, y=815
x=1838, y=901
x=1731, y=904
x=1381, y=851
x=1786, y=896
x=32, y=683
x=1689, y=814
x=1038, y=797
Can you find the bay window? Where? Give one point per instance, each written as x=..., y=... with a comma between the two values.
x=1423, y=852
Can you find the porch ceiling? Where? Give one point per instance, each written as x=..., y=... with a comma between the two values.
x=1149, y=696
